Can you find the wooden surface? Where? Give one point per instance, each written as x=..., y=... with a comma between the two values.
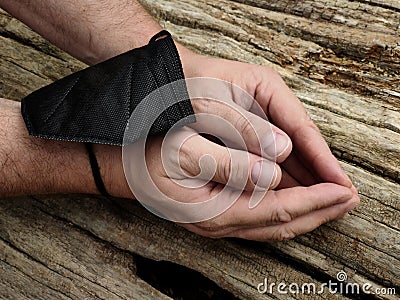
x=341, y=58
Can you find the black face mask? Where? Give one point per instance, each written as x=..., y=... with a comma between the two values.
x=95, y=104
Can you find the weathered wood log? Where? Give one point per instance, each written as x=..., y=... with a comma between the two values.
x=341, y=58
x=45, y=257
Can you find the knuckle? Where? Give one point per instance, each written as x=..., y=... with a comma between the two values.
x=280, y=214
x=247, y=130
x=187, y=160
x=201, y=105
x=356, y=201
x=245, y=126
x=226, y=167
x=326, y=220
x=273, y=76
x=284, y=233
x=310, y=123
x=239, y=173
x=306, y=123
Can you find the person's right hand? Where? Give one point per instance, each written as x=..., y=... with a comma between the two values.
x=281, y=214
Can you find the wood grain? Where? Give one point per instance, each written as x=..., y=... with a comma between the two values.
x=341, y=58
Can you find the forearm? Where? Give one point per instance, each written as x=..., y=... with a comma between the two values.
x=90, y=30
x=31, y=165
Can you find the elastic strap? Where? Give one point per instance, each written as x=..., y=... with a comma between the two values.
x=162, y=33
x=96, y=171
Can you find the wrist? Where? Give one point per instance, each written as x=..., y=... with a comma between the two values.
x=109, y=159
x=189, y=61
x=37, y=166
x=122, y=42
x=111, y=40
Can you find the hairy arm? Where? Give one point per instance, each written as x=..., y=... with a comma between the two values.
x=36, y=166
x=90, y=30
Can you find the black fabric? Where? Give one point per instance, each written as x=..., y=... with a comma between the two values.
x=96, y=171
x=94, y=105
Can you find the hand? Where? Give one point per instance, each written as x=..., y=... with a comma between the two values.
x=311, y=161
x=280, y=215
x=230, y=165
x=178, y=172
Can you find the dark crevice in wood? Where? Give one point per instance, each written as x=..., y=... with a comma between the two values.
x=346, y=115
x=84, y=231
x=184, y=274
x=185, y=284
x=52, y=270
x=26, y=42
x=381, y=202
x=35, y=280
x=377, y=4
x=345, y=48
x=28, y=70
x=94, y=282
x=373, y=168
x=76, y=226
x=26, y=254
x=266, y=5
x=324, y=251
x=361, y=216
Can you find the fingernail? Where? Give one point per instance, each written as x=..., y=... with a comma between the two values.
x=264, y=174
x=346, y=179
x=275, y=144
x=273, y=182
x=354, y=190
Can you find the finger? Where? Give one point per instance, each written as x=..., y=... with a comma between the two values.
x=354, y=190
x=284, y=206
x=287, y=112
x=232, y=123
x=298, y=226
x=299, y=171
x=203, y=159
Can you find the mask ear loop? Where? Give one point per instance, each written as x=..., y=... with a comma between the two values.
x=157, y=36
x=92, y=157
x=96, y=171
